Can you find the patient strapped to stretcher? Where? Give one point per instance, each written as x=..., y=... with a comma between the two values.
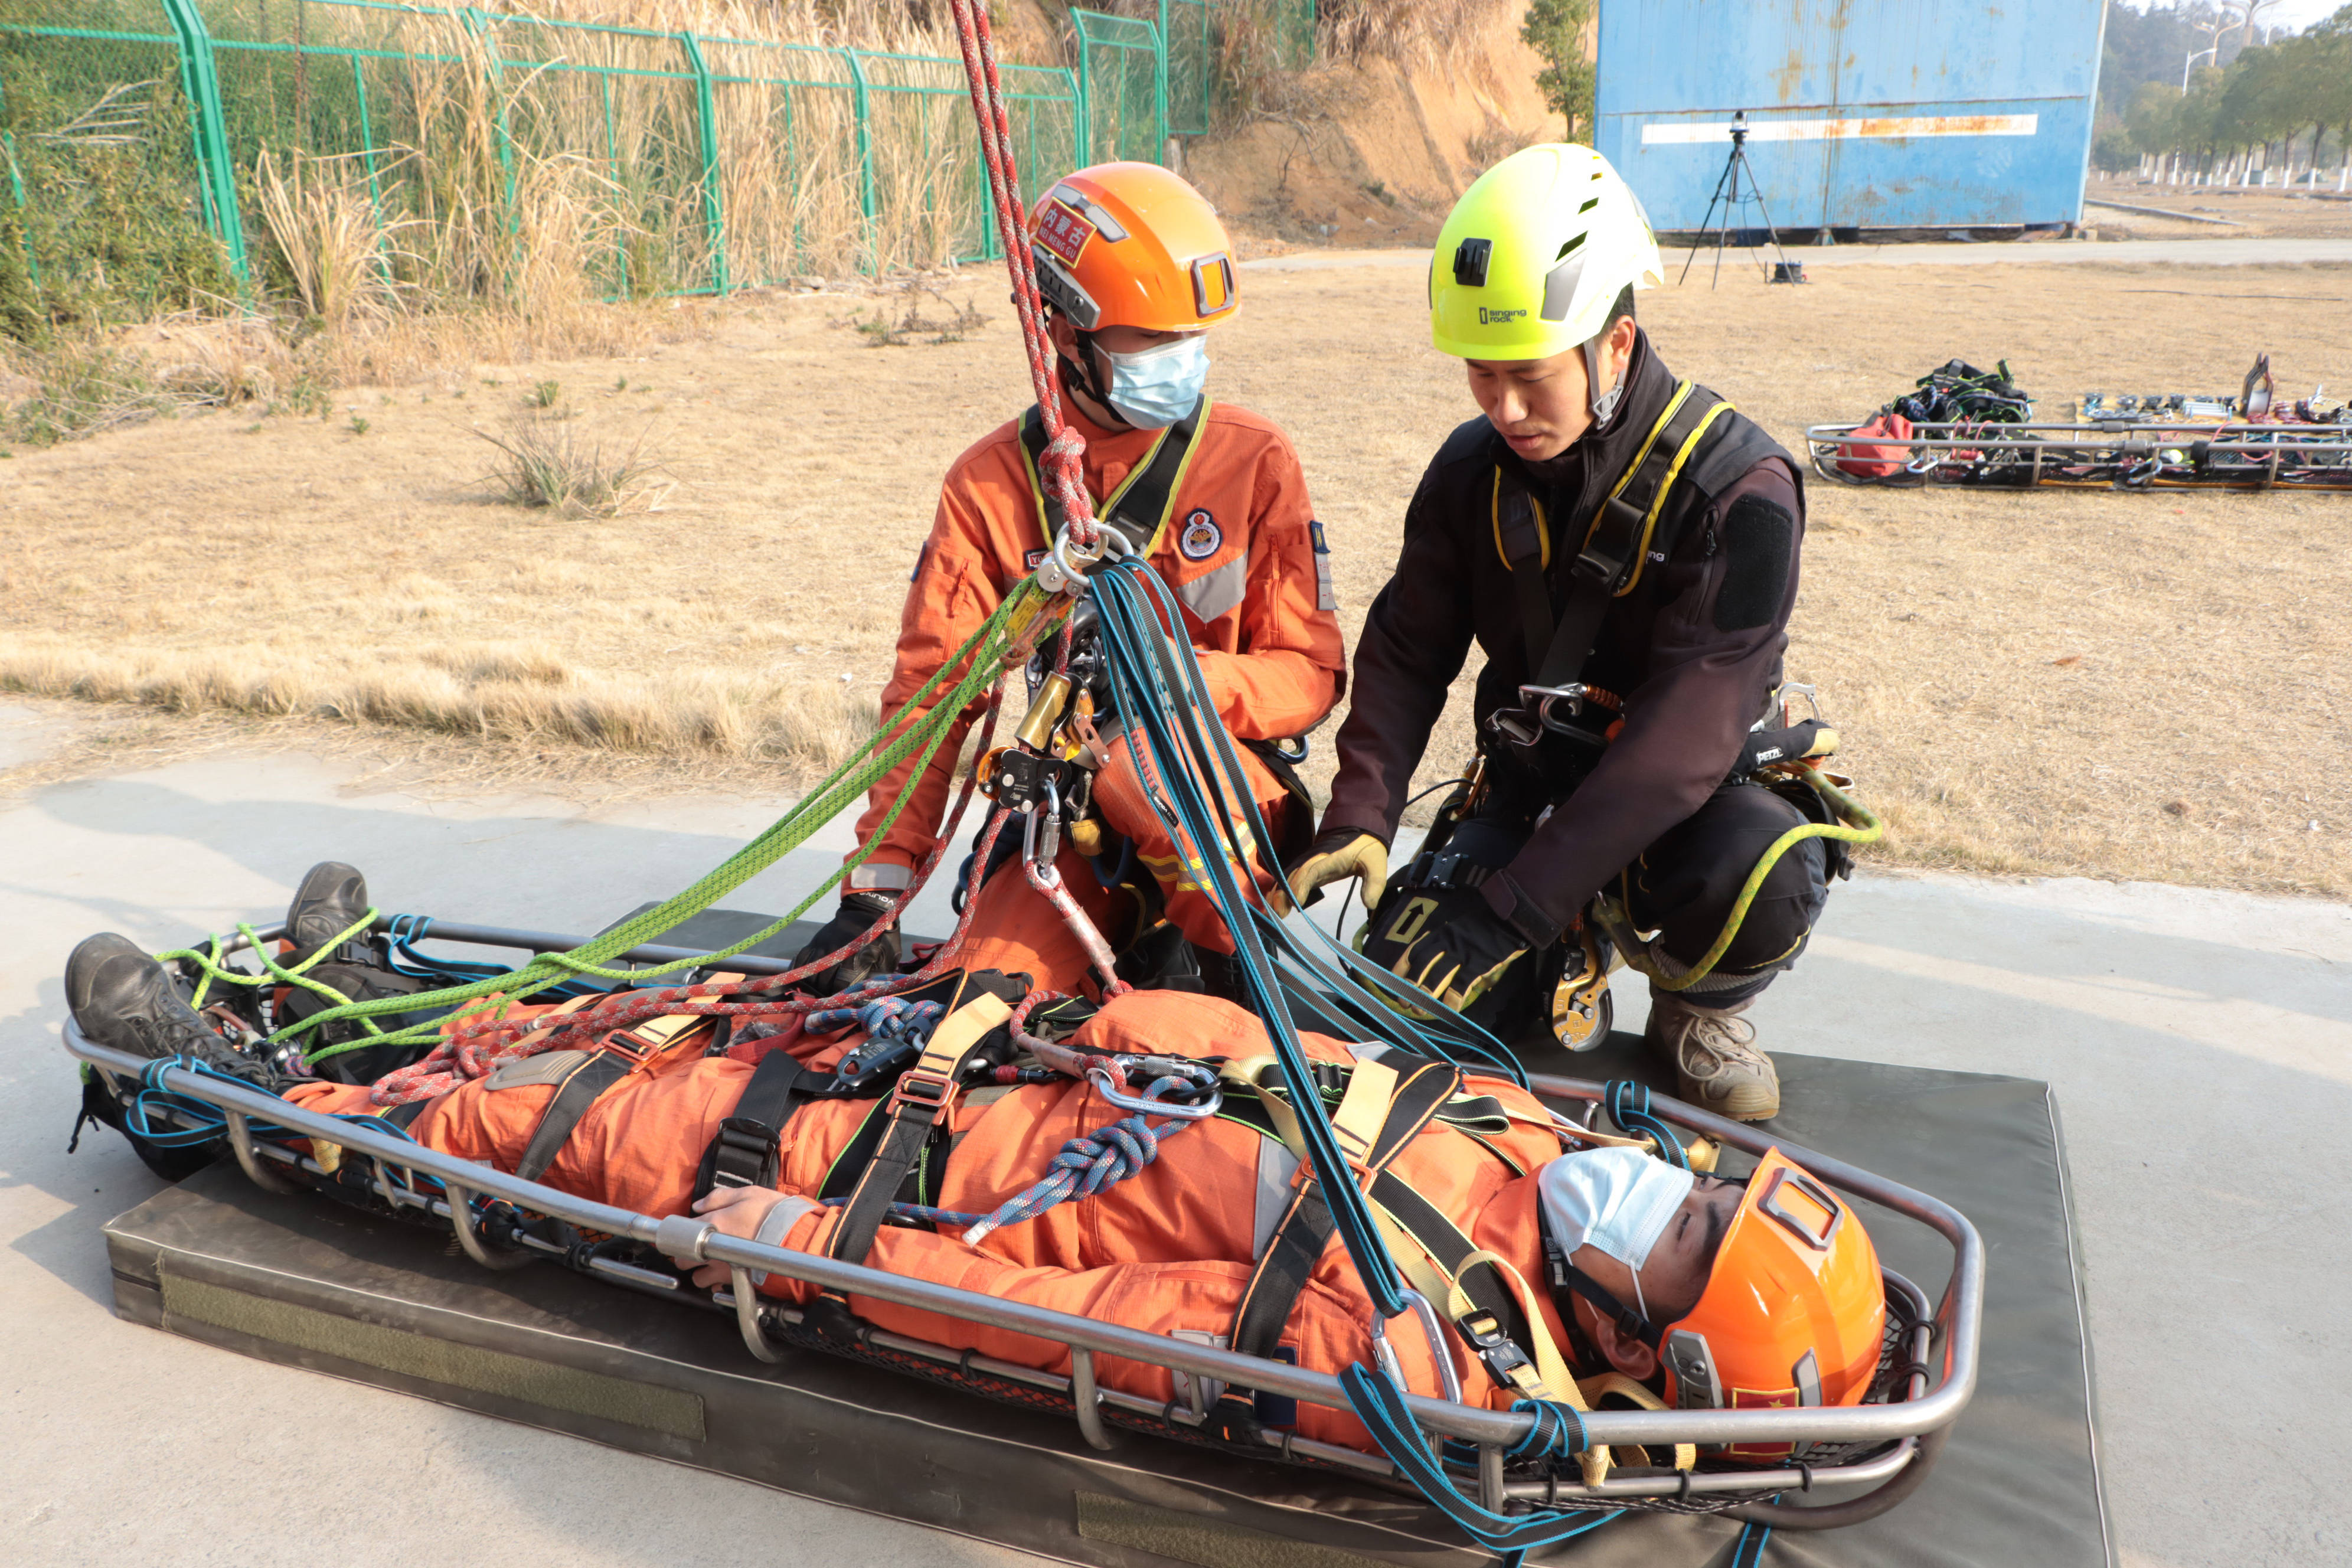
x=1561, y=1256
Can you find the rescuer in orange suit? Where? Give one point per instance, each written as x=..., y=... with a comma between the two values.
x=1135, y=270
x=1695, y=1290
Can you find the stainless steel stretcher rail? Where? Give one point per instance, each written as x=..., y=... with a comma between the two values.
x=1914, y=1423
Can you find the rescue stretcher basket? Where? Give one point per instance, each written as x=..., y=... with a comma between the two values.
x=1928, y=1371
x=2121, y=454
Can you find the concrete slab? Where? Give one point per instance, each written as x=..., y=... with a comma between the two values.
x=2200, y=1045
x=2233, y=252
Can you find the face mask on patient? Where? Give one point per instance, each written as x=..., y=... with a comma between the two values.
x=1618, y=1200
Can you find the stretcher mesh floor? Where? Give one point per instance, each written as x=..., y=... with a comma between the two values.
x=304, y=1282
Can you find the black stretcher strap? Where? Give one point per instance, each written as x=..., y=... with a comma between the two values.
x=578, y=1091
x=742, y=1154
x=1467, y=1114
x=1305, y=1230
x=917, y=1110
x=1445, y=1242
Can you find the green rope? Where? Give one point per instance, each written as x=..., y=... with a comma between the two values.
x=297, y=974
x=840, y=789
x=1858, y=828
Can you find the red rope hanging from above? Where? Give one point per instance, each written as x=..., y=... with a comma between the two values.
x=1062, y=464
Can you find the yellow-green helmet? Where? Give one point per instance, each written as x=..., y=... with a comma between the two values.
x=1534, y=255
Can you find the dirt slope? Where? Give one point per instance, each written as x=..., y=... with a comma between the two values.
x=1374, y=153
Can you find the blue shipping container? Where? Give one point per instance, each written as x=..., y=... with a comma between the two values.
x=1863, y=113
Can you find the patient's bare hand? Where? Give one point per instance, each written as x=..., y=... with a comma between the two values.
x=737, y=1212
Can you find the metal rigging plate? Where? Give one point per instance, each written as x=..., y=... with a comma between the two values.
x=303, y=1282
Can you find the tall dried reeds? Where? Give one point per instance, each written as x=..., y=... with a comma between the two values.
x=329, y=239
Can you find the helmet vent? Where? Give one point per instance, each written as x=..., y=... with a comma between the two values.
x=1470, y=260
x=1573, y=242
x=1589, y=205
x=1807, y=1375
x=1803, y=1207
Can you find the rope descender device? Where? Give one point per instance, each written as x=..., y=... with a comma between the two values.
x=1066, y=564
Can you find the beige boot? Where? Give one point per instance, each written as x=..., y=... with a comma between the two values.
x=1714, y=1057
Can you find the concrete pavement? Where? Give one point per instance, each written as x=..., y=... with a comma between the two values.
x=2200, y=1045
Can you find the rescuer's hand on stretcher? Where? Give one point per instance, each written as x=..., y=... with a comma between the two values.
x=737, y=1212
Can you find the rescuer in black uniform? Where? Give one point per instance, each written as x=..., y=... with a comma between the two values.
x=1623, y=547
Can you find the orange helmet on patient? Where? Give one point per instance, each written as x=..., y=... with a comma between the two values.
x=1132, y=245
x=1794, y=1312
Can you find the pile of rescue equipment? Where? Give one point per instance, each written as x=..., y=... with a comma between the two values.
x=1966, y=426
x=1546, y=1457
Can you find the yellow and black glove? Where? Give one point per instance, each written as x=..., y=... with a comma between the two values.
x=1338, y=854
x=1446, y=942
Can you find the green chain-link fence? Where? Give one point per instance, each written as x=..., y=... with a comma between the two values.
x=1122, y=90
x=1191, y=40
x=131, y=130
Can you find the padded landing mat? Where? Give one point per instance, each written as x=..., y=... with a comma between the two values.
x=305, y=1283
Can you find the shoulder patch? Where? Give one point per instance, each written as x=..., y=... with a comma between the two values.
x=1759, y=544
x=1200, y=536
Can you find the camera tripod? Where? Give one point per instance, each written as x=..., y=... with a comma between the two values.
x=1729, y=197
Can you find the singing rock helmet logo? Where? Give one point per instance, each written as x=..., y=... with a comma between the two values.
x=1492, y=317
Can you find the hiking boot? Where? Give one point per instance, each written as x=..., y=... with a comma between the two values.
x=333, y=899
x=124, y=1000
x=1715, y=1060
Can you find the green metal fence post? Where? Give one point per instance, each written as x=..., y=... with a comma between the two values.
x=713, y=198
x=367, y=131
x=24, y=228
x=613, y=173
x=1160, y=88
x=217, y=176
x=1084, y=114
x=1160, y=83
x=478, y=24
x=866, y=198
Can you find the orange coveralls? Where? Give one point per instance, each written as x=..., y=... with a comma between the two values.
x=1169, y=1250
x=1241, y=550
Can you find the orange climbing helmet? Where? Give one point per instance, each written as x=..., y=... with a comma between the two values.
x=1794, y=1312
x=1132, y=245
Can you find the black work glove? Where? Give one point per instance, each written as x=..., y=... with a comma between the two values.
x=858, y=911
x=1448, y=942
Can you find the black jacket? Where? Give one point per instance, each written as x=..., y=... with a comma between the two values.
x=1693, y=649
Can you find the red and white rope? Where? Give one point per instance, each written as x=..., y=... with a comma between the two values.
x=1062, y=465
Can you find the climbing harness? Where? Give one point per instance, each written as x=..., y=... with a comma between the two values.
x=1690, y=455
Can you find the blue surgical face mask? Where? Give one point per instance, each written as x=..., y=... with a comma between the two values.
x=1155, y=388
x=1618, y=1200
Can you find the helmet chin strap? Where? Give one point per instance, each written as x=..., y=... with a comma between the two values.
x=1603, y=403
x=1079, y=373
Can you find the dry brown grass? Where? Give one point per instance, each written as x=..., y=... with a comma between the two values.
x=494, y=692
x=301, y=569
